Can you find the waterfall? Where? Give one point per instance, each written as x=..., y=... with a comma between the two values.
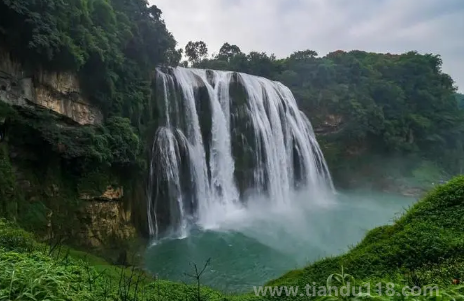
x=222, y=135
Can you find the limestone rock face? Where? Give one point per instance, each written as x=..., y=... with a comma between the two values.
x=105, y=223
x=331, y=124
x=110, y=194
x=59, y=92
x=113, y=193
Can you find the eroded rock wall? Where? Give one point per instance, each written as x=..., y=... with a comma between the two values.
x=59, y=92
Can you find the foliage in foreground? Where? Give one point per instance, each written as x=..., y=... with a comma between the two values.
x=33, y=271
x=423, y=248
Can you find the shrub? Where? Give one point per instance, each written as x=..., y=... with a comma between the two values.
x=15, y=239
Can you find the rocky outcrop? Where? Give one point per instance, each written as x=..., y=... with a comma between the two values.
x=105, y=224
x=111, y=194
x=59, y=92
x=330, y=125
x=102, y=222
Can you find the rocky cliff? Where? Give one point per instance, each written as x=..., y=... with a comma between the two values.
x=43, y=190
x=59, y=92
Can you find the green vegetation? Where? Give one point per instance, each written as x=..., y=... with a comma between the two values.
x=113, y=45
x=460, y=99
x=7, y=182
x=114, y=49
x=33, y=271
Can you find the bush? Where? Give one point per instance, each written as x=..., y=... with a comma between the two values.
x=37, y=277
x=32, y=271
x=15, y=239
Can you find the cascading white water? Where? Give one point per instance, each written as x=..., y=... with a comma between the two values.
x=166, y=155
x=261, y=116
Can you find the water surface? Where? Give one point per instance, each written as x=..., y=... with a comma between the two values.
x=252, y=246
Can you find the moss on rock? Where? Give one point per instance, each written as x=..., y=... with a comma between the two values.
x=9, y=193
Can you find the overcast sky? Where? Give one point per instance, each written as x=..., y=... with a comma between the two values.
x=284, y=26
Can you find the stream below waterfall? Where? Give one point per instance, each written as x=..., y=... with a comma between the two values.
x=263, y=242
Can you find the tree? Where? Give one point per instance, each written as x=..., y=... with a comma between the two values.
x=460, y=99
x=196, y=51
x=303, y=55
x=227, y=52
x=173, y=56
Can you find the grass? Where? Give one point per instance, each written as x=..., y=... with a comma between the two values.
x=32, y=271
x=424, y=247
